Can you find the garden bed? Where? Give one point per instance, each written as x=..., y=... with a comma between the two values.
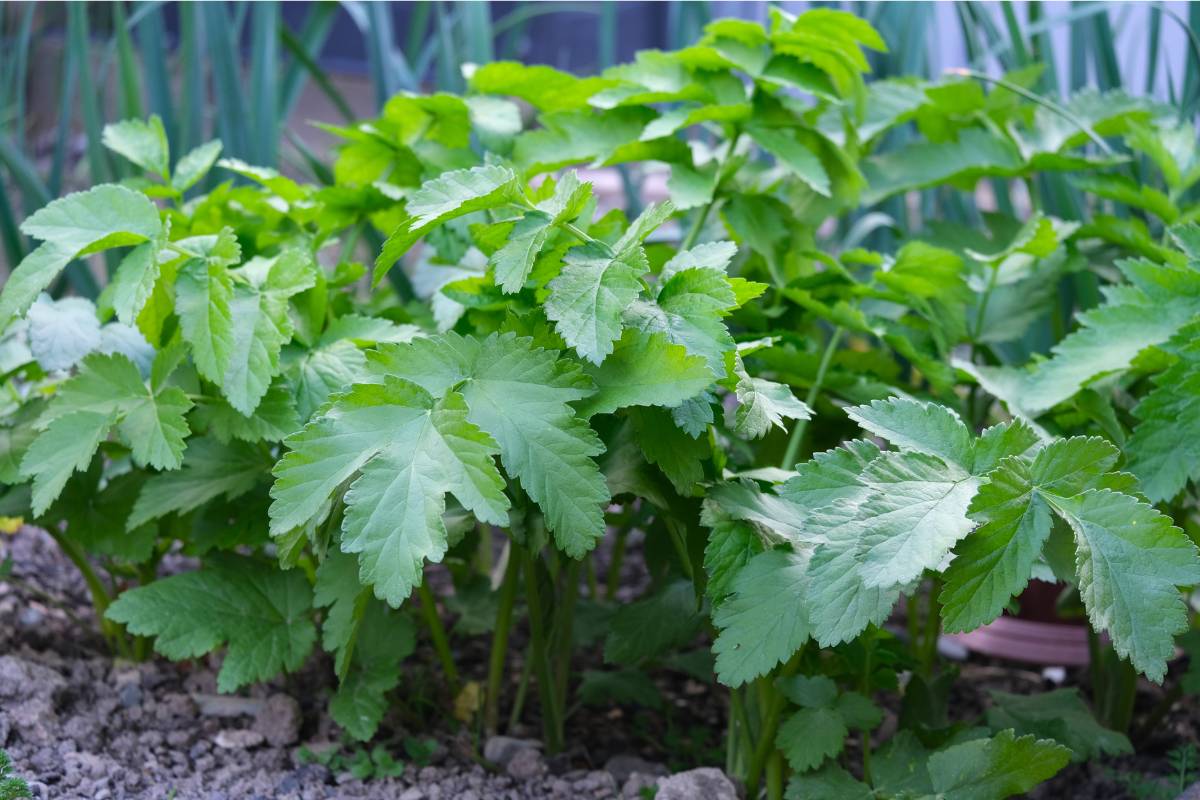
x=79, y=724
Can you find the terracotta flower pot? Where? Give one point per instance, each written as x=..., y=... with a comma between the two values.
x=1035, y=635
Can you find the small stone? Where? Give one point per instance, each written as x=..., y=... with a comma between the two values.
x=238, y=739
x=412, y=794
x=501, y=749
x=525, y=764
x=705, y=783
x=30, y=617
x=223, y=705
x=622, y=766
x=636, y=784
x=130, y=695
x=278, y=720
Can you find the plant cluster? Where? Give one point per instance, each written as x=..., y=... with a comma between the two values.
x=986, y=399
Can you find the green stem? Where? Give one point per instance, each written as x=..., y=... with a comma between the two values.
x=551, y=720
x=794, y=441
x=865, y=688
x=437, y=633
x=499, y=654
x=1033, y=97
x=564, y=617
x=614, y=566
x=774, y=773
x=101, y=597
x=698, y=224
x=772, y=701
x=933, y=626
x=514, y=716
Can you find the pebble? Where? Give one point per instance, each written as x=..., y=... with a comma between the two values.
x=705, y=783
x=238, y=739
x=526, y=764
x=278, y=720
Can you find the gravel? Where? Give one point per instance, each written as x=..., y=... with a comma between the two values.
x=79, y=724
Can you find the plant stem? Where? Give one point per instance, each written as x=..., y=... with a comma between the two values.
x=614, y=566
x=499, y=654
x=865, y=689
x=774, y=773
x=771, y=700
x=564, y=617
x=794, y=441
x=551, y=720
x=933, y=627
x=698, y=224
x=514, y=716
x=437, y=634
x=101, y=597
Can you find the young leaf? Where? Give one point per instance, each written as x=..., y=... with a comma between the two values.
x=384, y=639
x=644, y=370
x=108, y=391
x=78, y=224
x=450, y=195
x=811, y=735
x=203, y=294
x=1061, y=715
x=587, y=298
x=143, y=143
x=647, y=629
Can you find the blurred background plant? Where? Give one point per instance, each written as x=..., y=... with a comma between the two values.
x=257, y=75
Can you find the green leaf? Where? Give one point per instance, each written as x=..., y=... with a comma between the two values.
x=273, y=419
x=210, y=470
x=143, y=143
x=513, y=262
x=1061, y=715
x=195, y=164
x=731, y=545
x=545, y=88
x=1163, y=450
x=108, y=391
x=408, y=452
x=588, y=297
x=64, y=448
x=842, y=600
x=646, y=630
x=337, y=589
x=991, y=769
x=78, y=224
x=203, y=297
x=994, y=562
x=830, y=782
x=912, y=425
x=450, y=195
x=519, y=395
x=689, y=309
x=384, y=639
x=811, y=735
x=830, y=476
x=644, y=370
x=763, y=404
x=916, y=512
x=134, y=280
x=1160, y=300
x=763, y=622
x=672, y=450
x=1130, y=559
x=261, y=325
x=259, y=611
x=794, y=155
x=61, y=332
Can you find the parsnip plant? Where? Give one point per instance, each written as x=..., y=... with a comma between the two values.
x=523, y=367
